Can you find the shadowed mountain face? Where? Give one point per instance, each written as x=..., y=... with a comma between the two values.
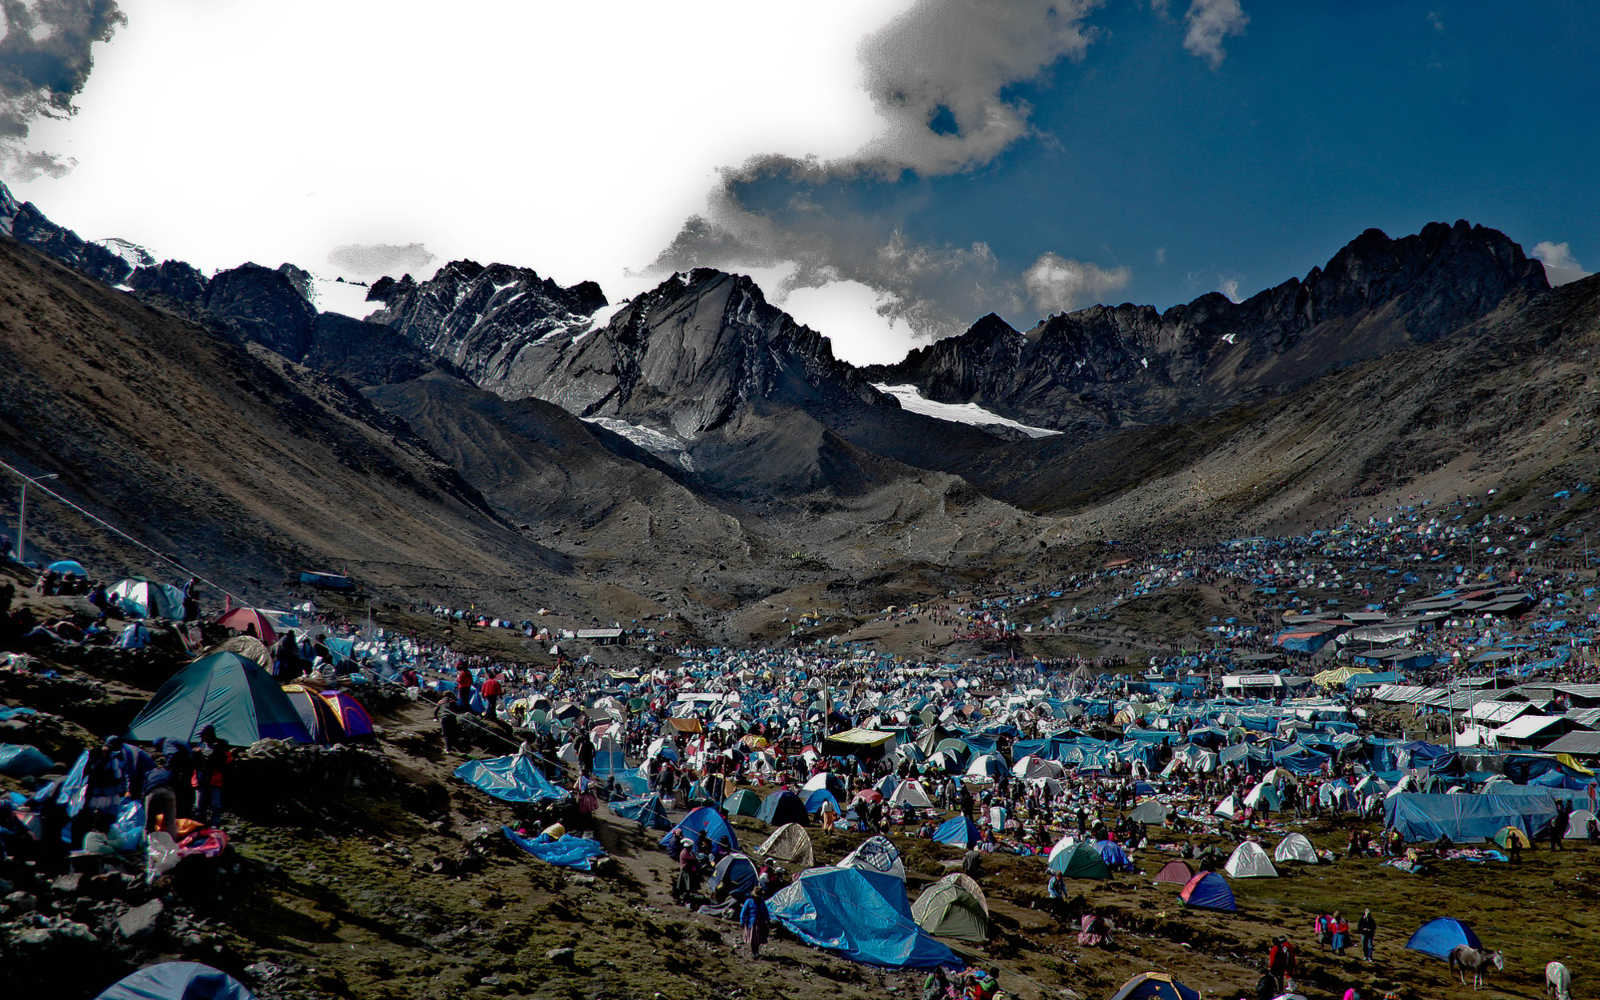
x=1106, y=367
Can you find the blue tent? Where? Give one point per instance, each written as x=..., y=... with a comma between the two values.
x=1114, y=856
x=1208, y=891
x=510, y=779
x=782, y=806
x=646, y=811
x=224, y=690
x=1463, y=818
x=958, y=830
x=1155, y=986
x=816, y=800
x=863, y=915
x=1438, y=936
x=707, y=819
x=737, y=872
x=567, y=852
x=177, y=981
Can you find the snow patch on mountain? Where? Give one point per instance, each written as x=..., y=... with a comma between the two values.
x=958, y=413
x=663, y=446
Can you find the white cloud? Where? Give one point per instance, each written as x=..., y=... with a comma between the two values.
x=1209, y=22
x=371, y=260
x=1161, y=255
x=1436, y=19
x=1056, y=284
x=1230, y=288
x=1559, y=265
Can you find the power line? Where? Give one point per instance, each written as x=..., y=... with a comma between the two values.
x=35, y=483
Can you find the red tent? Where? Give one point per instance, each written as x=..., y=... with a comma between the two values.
x=241, y=620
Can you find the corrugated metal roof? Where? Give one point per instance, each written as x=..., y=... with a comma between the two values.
x=1580, y=744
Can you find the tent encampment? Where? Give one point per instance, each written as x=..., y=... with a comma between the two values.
x=1208, y=891
x=861, y=915
x=1175, y=872
x=177, y=981
x=1439, y=935
x=224, y=690
x=1079, y=860
x=744, y=802
x=1154, y=986
x=876, y=854
x=952, y=908
x=1248, y=860
x=1295, y=847
x=790, y=847
x=704, y=818
x=958, y=830
x=782, y=806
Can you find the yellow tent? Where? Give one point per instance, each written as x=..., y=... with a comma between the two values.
x=1339, y=675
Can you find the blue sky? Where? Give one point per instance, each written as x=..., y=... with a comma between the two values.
x=1081, y=150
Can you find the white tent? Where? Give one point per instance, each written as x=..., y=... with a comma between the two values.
x=1036, y=767
x=1228, y=808
x=911, y=793
x=1295, y=847
x=876, y=854
x=789, y=846
x=1149, y=811
x=1248, y=860
x=1264, y=792
x=1578, y=824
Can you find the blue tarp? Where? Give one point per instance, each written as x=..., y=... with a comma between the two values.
x=20, y=761
x=177, y=981
x=707, y=819
x=1465, y=818
x=959, y=831
x=646, y=811
x=568, y=852
x=1437, y=937
x=510, y=779
x=862, y=915
x=1114, y=856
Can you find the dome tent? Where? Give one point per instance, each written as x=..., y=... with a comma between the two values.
x=705, y=819
x=646, y=810
x=742, y=803
x=353, y=716
x=735, y=873
x=319, y=717
x=1248, y=860
x=1295, y=847
x=1438, y=936
x=1149, y=811
x=224, y=690
x=177, y=981
x=862, y=915
x=1208, y=891
x=1154, y=986
x=789, y=846
x=1080, y=860
x=782, y=806
x=876, y=854
x=141, y=598
x=912, y=794
x=951, y=908
x=957, y=830
x=1175, y=872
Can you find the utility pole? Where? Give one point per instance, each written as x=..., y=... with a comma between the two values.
x=22, y=514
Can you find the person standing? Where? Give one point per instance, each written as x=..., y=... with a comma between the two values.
x=1367, y=927
x=1339, y=931
x=464, y=688
x=161, y=798
x=754, y=919
x=491, y=690
x=209, y=775
x=191, y=599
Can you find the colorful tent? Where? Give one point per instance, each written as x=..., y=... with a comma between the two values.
x=876, y=854
x=319, y=717
x=1508, y=834
x=1248, y=860
x=647, y=811
x=744, y=802
x=510, y=779
x=789, y=846
x=957, y=830
x=224, y=690
x=704, y=818
x=1175, y=872
x=862, y=915
x=1208, y=891
x=1155, y=986
x=247, y=620
x=141, y=598
x=953, y=907
x=177, y=981
x=352, y=715
x=1079, y=860
x=782, y=806
x=1438, y=936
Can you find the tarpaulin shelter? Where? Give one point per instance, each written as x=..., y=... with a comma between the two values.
x=744, y=802
x=510, y=779
x=353, y=716
x=869, y=744
x=566, y=852
x=1295, y=847
x=177, y=981
x=704, y=818
x=141, y=598
x=224, y=690
x=1208, y=891
x=1464, y=818
x=249, y=620
x=958, y=830
x=861, y=915
x=1439, y=935
x=876, y=854
x=646, y=810
x=1175, y=872
x=1114, y=856
x=1079, y=860
x=1248, y=860
x=952, y=908
x=782, y=806
x=789, y=846
x=1154, y=986
x=19, y=760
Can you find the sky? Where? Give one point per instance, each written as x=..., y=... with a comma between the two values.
x=888, y=170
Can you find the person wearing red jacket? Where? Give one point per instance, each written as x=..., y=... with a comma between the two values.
x=491, y=691
x=1282, y=961
x=464, y=688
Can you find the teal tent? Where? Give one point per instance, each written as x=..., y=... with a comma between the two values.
x=647, y=811
x=224, y=690
x=744, y=802
x=141, y=598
